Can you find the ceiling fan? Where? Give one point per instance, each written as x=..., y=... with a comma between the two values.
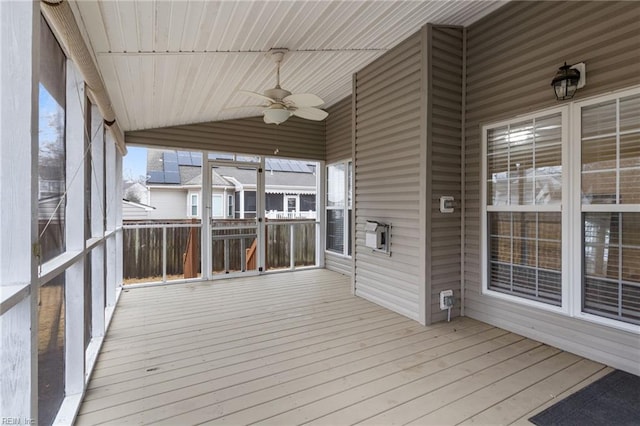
x=282, y=104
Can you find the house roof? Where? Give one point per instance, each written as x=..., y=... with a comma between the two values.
x=166, y=167
x=168, y=63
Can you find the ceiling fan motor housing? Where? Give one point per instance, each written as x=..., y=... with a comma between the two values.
x=277, y=93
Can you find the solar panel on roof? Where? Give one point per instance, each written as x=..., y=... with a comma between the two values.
x=171, y=177
x=184, y=158
x=170, y=162
x=196, y=159
x=156, y=177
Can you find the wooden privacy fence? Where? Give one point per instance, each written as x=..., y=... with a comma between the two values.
x=233, y=249
x=278, y=250
x=143, y=248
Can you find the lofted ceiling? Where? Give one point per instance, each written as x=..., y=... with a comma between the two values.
x=176, y=62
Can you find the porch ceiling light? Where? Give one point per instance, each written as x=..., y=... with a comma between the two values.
x=568, y=79
x=276, y=115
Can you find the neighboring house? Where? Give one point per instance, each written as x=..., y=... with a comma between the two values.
x=175, y=188
x=132, y=210
x=135, y=191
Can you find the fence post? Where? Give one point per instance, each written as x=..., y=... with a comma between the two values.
x=292, y=245
x=164, y=254
x=190, y=267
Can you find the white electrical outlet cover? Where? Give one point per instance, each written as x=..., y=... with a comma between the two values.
x=443, y=294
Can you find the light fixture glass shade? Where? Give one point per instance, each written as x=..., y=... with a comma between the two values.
x=276, y=116
x=565, y=83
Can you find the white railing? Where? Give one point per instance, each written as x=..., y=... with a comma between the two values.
x=274, y=214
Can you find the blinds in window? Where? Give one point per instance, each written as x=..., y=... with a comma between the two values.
x=610, y=168
x=524, y=162
x=524, y=172
x=611, y=152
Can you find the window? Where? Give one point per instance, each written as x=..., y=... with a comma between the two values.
x=524, y=192
x=292, y=203
x=193, y=205
x=610, y=208
x=563, y=225
x=217, y=209
x=338, y=207
x=230, y=206
x=51, y=224
x=52, y=147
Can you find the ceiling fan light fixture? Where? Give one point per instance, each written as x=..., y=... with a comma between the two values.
x=276, y=116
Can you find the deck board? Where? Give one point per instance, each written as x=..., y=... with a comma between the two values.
x=295, y=348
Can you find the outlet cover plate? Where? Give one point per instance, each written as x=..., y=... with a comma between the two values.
x=444, y=294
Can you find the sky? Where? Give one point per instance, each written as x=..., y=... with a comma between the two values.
x=134, y=164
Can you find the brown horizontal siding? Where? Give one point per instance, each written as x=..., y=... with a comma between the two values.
x=387, y=176
x=295, y=138
x=444, y=163
x=512, y=55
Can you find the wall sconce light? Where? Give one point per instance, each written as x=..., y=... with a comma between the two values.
x=568, y=79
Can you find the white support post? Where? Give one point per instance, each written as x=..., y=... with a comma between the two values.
x=261, y=219
x=205, y=232
x=74, y=231
x=321, y=189
x=112, y=204
x=97, y=222
x=118, y=213
x=19, y=63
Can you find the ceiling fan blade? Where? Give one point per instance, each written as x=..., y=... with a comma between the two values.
x=310, y=113
x=257, y=95
x=303, y=100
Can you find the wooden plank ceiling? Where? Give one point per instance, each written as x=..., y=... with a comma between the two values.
x=177, y=62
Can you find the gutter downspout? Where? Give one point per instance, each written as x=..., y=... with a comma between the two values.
x=61, y=18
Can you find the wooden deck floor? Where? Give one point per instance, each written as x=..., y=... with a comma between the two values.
x=297, y=348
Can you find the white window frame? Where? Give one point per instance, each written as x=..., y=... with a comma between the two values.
x=346, y=209
x=577, y=210
x=190, y=204
x=230, y=213
x=221, y=211
x=571, y=208
x=286, y=199
x=565, y=269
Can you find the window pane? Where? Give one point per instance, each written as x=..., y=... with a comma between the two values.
x=599, y=119
x=630, y=114
x=526, y=255
x=51, y=353
x=250, y=203
x=217, y=208
x=524, y=162
x=611, y=152
x=497, y=166
x=630, y=186
x=51, y=176
x=308, y=203
x=51, y=155
x=335, y=185
x=611, y=282
x=335, y=230
x=349, y=233
x=350, y=185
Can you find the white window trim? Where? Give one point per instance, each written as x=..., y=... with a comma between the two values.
x=190, y=199
x=577, y=209
x=286, y=199
x=565, y=269
x=346, y=235
x=571, y=214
